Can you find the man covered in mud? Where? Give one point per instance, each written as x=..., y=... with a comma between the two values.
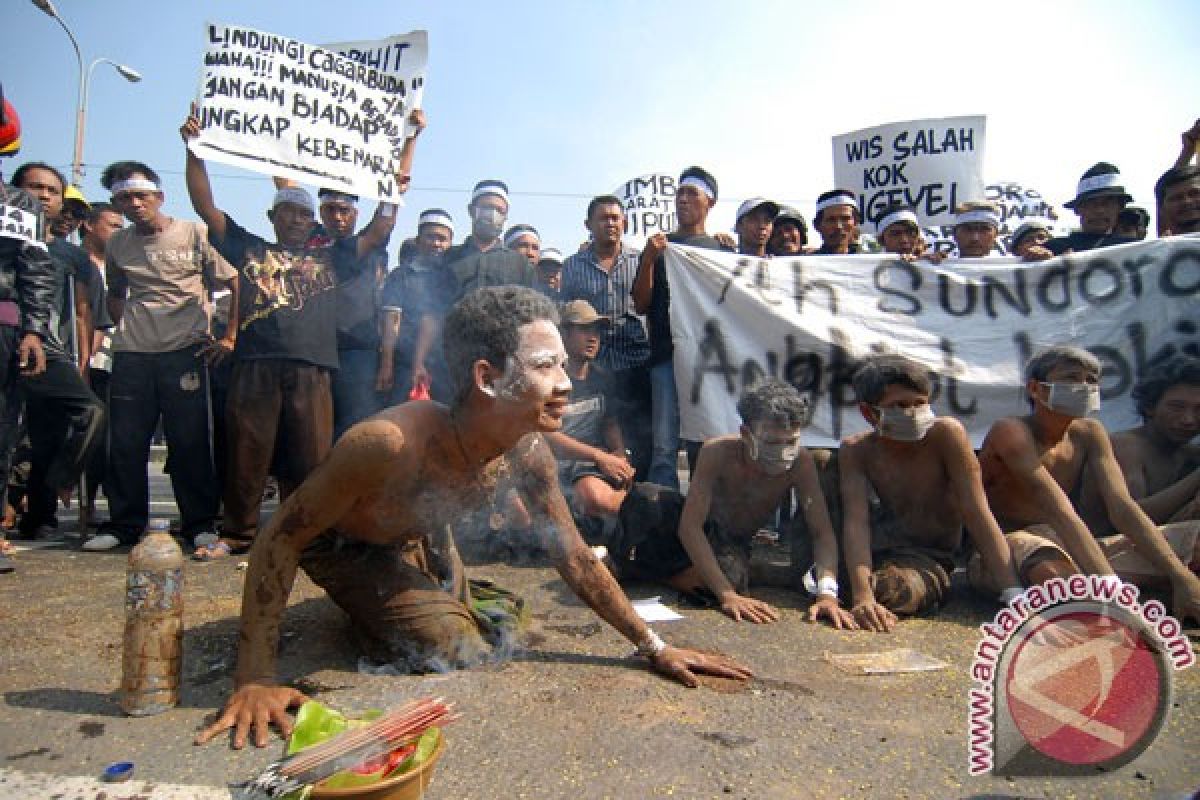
x=371, y=525
x=908, y=486
x=740, y=480
x=1034, y=465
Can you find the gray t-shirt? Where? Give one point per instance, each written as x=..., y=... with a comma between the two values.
x=166, y=278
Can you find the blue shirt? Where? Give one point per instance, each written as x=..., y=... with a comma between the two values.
x=609, y=292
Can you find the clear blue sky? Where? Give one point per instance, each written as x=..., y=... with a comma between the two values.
x=569, y=99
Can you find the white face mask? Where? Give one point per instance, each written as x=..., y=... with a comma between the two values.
x=905, y=424
x=775, y=458
x=1073, y=399
x=488, y=221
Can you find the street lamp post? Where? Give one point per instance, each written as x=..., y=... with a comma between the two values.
x=85, y=76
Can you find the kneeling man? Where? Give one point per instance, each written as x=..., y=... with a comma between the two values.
x=371, y=525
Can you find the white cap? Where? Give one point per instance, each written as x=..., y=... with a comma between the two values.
x=294, y=195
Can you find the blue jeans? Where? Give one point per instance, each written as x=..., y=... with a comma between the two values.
x=354, y=395
x=664, y=461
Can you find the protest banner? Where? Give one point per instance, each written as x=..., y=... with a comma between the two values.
x=649, y=203
x=974, y=323
x=930, y=164
x=276, y=105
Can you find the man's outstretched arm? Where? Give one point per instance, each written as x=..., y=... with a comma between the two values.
x=591, y=580
x=352, y=468
x=868, y=612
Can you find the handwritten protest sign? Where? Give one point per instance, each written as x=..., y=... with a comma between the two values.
x=930, y=164
x=649, y=203
x=973, y=323
x=276, y=105
x=17, y=223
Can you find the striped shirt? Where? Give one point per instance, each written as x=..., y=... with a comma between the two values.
x=626, y=344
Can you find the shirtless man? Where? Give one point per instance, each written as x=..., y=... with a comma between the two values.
x=739, y=482
x=1160, y=464
x=1033, y=464
x=908, y=487
x=371, y=524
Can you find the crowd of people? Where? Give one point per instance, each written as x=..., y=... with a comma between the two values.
x=296, y=358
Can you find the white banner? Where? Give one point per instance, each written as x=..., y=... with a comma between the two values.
x=279, y=106
x=932, y=165
x=973, y=323
x=649, y=203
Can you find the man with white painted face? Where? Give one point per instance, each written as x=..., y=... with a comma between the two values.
x=279, y=411
x=694, y=198
x=1033, y=466
x=1160, y=464
x=372, y=524
x=908, y=487
x=1098, y=201
x=740, y=480
x=838, y=220
x=755, y=221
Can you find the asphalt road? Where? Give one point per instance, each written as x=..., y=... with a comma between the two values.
x=573, y=716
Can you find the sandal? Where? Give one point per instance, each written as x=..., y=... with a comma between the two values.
x=219, y=550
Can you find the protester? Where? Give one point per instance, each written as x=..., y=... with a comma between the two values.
x=1159, y=460
x=1098, y=200
x=976, y=228
x=65, y=419
x=74, y=211
x=593, y=470
x=1178, y=196
x=482, y=259
x=415, y=295
x=602, y=273
x=1032, y=465
x=1132, y=223
x=524, y=239
x=1029, y=240
x=26, y=303
x=789, y=233
x=549, y=272
x=161, y=271
x=909, y=486
x=838, y=220
x=899, y=231
x=371, y=525
x=754, y=223
x=279, y=415
x=695, y=196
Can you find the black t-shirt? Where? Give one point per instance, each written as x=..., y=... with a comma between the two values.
x=72, y=260
x=591, y=404
x=658, y=317
x=496, y=267
x=415, y=290
x=287, y=306
x=1080, y=241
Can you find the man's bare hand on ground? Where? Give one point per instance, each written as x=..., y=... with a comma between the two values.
x=827, y=606
x=872, y=616
x=683, y=664
x=740, y=607
x=253, y=708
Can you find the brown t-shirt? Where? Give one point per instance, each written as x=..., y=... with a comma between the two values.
x=166, y=278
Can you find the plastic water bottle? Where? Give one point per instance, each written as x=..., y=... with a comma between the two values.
x=152, y=662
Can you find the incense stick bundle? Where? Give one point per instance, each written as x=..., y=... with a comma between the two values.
x=352, y=747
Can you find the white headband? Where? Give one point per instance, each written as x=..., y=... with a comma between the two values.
x=702, y=185
x=135, y=185
x=339, y=197
x=489, y=188
x=436, y=218
x=836, y=200
x=518, y=232
x=1105, y=181
x=903, y=215
x=978, y=215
